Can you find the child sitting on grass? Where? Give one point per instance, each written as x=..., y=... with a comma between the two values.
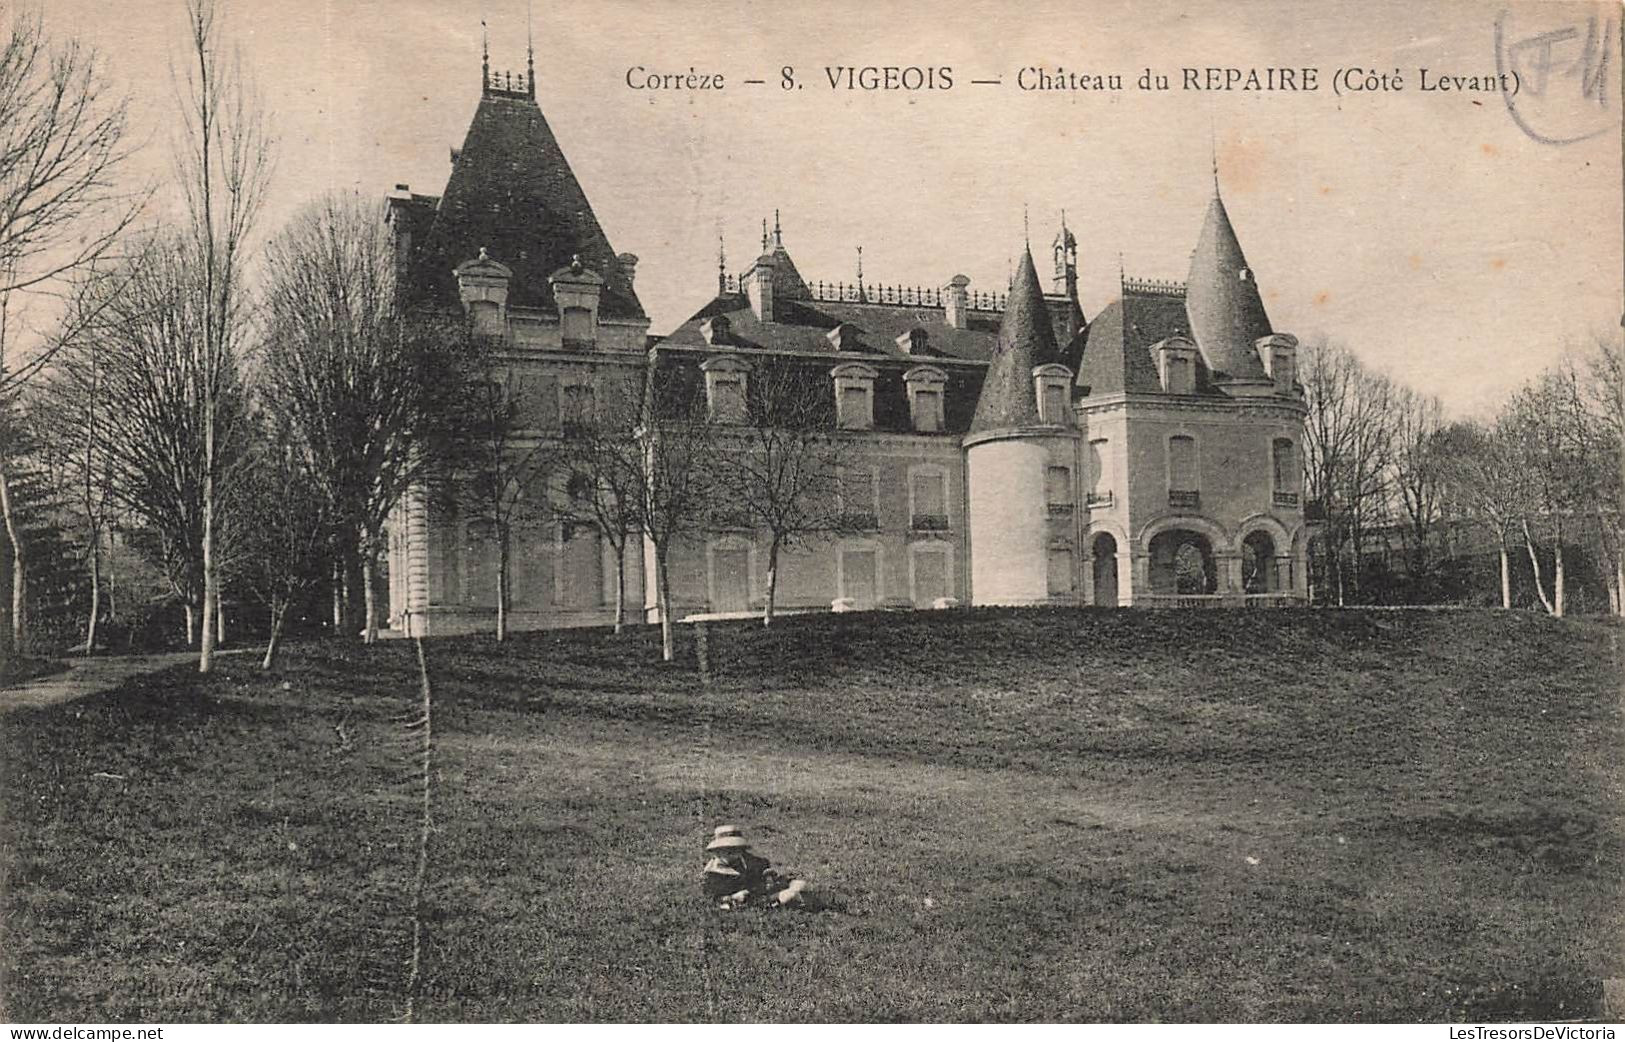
x=734, y=874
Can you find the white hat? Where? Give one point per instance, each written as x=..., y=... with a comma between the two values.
x=727, y=843
x=726, y=830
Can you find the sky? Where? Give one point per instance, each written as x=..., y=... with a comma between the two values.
x=1441, y=235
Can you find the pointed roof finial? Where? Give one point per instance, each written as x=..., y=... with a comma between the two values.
x=778, y=236
x=1213, y=151
x=485, y=56
x=860, y=269
x=1026, y=233
x=530, y=54
x=722, y=262
x=764, y=234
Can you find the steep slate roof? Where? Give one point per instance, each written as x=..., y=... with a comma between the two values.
x=512, y=191
x=1226, y=312
x=802, y=325
x=1117, y=353
x=1026, y=340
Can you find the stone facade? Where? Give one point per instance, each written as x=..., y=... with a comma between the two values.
x=995, y=448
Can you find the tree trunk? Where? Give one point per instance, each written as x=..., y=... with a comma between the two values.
x=502, y=583
x=95, y=591
x=112, y=572
x=1506, y=575
x=19, y=583
x=668, y=643
x=191, y=624
x=338, y=598
x=279, y=610
x=219, y=620
x=1557, y=564
x=211, y=581
x=772, y=582
x=369, y=600
x=620, y=588
x=1534, y=559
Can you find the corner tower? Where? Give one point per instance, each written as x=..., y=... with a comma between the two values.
x=1222, y=300
x=1021, y=458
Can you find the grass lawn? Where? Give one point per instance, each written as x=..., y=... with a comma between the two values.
x=1036, y=815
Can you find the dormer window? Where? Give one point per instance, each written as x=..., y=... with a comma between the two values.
x=725, y=387
x=926, y=386
x=715, y=329
x=1279, y=353
x=1052, y=383
x=854, y=397
x=846, y=337
x=1176, y=364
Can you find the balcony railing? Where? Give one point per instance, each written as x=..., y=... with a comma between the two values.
x=1184, y=498
x=1060, y=509
x=1100, y=499
x=1286, y=499
x=929, y=523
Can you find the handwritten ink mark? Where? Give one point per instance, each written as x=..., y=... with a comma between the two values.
x=1532, y=65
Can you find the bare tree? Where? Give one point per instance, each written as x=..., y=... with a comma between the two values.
x=285, y=548
x=604, y=455
x=377, y=400
x=158, y=394
x=1348, y=446
x=500, y=466
x=223, y=165
x=1602, y=412
x=778, y=462
x=62, y=143
x=664, y=452
x=1479, y=468
x=1415, y=477
x=1540, y=421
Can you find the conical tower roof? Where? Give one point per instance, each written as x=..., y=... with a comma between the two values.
x=1221, y=299
x=1026, y=341
x=512, y=191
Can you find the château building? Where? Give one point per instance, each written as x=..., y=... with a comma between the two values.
x=993, y=447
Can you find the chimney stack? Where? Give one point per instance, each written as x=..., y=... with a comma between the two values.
x=759, y=287
x=956, y=302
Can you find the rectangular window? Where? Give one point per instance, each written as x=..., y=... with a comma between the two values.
x=730, y=573
x=576, y=326
x=858, y=577
x=1054, y=403
x=538, y=402
x=1058, y=489
x=858, y=498
x=856, y=414
x=1181, y=375
x=480, y=566
x=1061, y=580
x=583, y=571
x=930, y=502
x=727, y=400
x=580, y=405
x=1182, y=464
x=1287, y=475
x=1100, y=487
x=928, y=410
x=930, y=577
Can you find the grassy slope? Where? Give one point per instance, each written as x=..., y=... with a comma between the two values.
x=1433, y=800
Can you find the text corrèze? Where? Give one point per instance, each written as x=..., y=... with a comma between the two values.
x=1309, y=79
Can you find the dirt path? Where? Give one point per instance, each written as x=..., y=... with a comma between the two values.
x=86, y=677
